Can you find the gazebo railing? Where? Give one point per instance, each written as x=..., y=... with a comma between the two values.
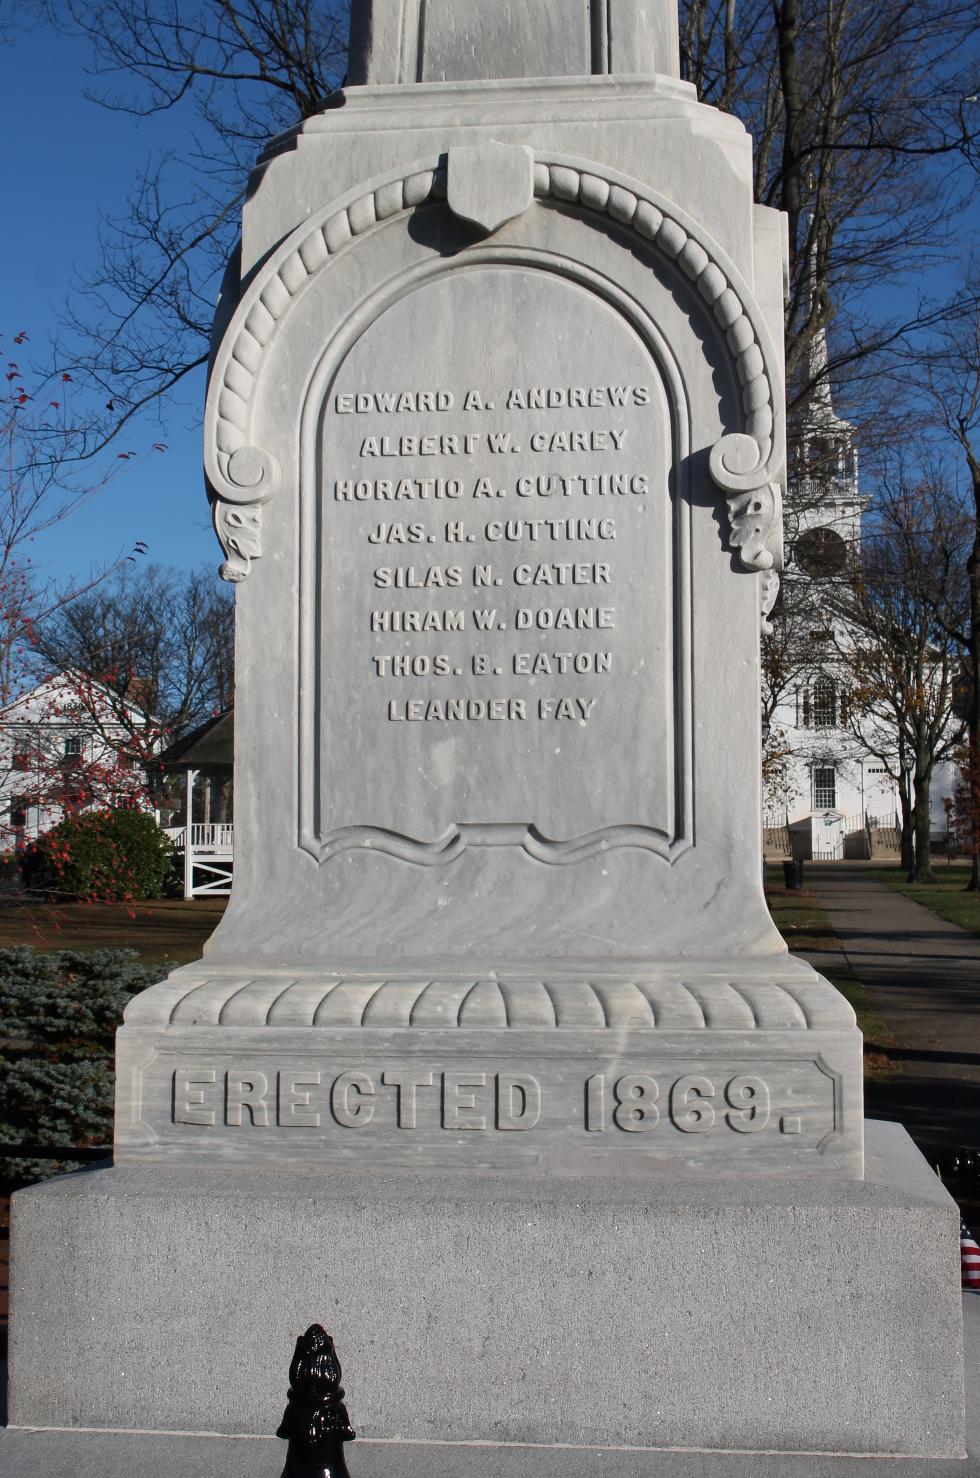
x=208, y=861
x=209, y=836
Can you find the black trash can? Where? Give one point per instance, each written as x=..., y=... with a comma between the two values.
x=793, y=873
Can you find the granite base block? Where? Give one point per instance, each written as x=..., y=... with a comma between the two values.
x=780, y=1316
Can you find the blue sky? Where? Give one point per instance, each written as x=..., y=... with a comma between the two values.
x=68, y=162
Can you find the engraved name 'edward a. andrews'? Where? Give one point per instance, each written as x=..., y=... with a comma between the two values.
x=535, y=398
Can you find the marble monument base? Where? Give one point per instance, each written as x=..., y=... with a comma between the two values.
x=750, y=1067
x=797, y=1315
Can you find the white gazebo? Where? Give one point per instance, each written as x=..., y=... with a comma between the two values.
x=207, y=845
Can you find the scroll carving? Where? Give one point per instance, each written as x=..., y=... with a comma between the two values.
x=768, y=591
x=239, y=473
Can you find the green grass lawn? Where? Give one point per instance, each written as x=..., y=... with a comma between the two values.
x=166, y=931
x=805, y=927
x=945, y=896
x=797, y=914
x=171, y=931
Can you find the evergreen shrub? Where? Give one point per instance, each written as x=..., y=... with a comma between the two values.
x=58, y=1017
x=107, y=855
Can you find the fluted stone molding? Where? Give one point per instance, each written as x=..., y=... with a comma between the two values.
x=698, y=1002
x=745, y=462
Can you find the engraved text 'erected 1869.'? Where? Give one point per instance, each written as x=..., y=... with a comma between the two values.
x=669, y=1099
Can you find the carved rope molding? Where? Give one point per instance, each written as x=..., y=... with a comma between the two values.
x=743, y=463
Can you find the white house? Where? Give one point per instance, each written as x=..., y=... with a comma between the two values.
x=68, y=744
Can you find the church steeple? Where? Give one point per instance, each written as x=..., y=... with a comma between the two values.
x=824, y=491
x=827, y=451
x=820, y=411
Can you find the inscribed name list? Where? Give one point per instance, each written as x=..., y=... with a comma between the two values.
x=497, y=546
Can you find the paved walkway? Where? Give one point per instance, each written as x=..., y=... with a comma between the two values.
x=922, y=976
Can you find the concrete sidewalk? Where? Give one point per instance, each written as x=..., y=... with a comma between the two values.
x=922, y=976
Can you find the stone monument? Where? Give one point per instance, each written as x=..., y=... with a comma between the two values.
x=495, y=449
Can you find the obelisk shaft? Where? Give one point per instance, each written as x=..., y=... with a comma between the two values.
x=406, y=41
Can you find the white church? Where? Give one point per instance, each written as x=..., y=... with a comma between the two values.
x=829, y=798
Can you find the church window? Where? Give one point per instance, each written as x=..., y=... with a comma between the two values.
x=824, y=704
x=820, y=706
x=824, y=788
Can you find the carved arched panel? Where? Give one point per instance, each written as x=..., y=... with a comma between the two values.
x=495, y=570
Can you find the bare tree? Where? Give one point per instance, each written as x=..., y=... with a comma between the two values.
x=949, y=369
x=47, y=442
x=897, y=611
x=862, y=116
x=155, y=640
x=247, y=69
x=129, y=665
x=865, y=126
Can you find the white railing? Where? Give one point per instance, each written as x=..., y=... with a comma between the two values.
x=208, y=860
x=216, y=880
x=891, y=821
x=777, y=839
x=206, y=836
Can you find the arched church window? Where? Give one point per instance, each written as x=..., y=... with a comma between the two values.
x=824, y=704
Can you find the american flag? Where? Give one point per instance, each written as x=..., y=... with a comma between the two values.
x=969, y=1258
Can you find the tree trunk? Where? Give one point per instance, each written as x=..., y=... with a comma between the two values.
x=972, y=786
x=973, y=714
x=903, y=796
x=786, y=14
x=921, y=870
